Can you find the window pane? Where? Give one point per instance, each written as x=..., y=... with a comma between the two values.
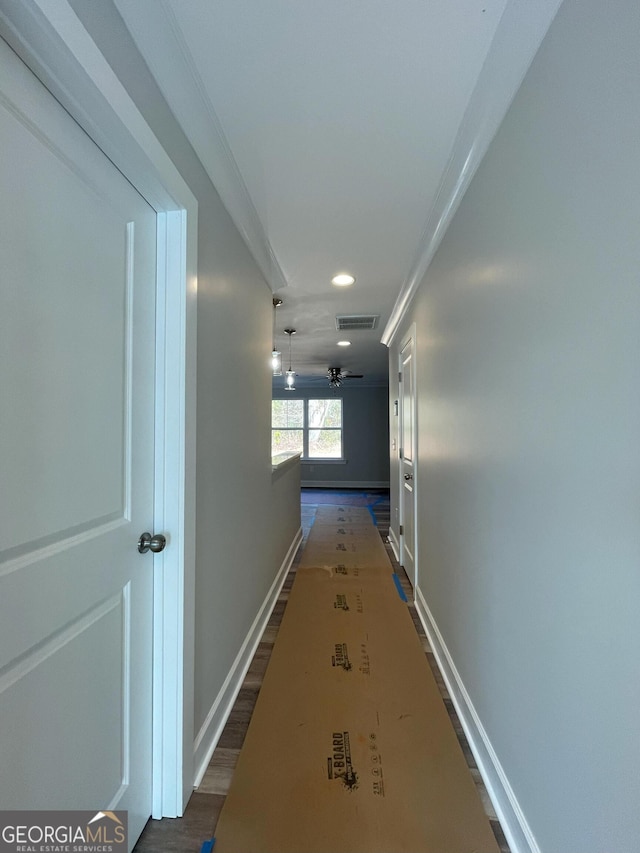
x=286, y=441
x=325, y=413
x=287, y=413
x=325, y=443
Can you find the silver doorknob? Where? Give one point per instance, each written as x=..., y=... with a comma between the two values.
x=147, y=542
x=408, y=476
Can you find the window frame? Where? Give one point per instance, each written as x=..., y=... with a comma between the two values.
x=306, y=428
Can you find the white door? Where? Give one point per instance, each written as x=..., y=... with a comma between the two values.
x=77, y=330
x=407, y=461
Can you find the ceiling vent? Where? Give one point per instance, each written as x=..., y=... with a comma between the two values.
x=350, y=322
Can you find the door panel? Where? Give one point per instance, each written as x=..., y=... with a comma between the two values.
x=77, y=331
x=407, y=462
x=56, y=740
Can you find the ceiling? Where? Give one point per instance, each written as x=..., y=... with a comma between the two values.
x=340, y=135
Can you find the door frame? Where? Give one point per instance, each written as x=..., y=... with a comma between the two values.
x=410, y=335
x=50, y=39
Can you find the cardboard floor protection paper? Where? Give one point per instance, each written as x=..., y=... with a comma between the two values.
x=332, y=544
x=350, y=748
x=341, y=514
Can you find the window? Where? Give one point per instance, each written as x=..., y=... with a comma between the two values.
x=287, y=422
x=310, y=427
x=324, y=429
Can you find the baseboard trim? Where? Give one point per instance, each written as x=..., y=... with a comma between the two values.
x=511, y=816
x=395, y=545
x=345, y=484
x=209, y=734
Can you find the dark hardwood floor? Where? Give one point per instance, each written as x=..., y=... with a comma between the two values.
x=186, y=834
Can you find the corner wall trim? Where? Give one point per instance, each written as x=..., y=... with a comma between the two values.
x=209, y=734
x=512, y=819
x=515, y=43
x=185, y=92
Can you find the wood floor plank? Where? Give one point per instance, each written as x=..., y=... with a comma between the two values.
x=217, y=779
x=185, y=834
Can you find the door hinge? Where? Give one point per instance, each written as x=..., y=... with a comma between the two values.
x=402, y=530
x=399, y=377
x=400, y=454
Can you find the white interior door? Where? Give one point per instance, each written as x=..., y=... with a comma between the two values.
x=407, y=461
x=77, y=332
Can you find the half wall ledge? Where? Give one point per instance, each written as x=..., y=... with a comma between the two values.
x=284, y=461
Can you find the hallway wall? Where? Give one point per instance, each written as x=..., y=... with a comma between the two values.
x=528, y=370
x=239, y=546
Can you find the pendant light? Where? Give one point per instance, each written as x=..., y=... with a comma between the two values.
x=276, y=355
x=291, y=375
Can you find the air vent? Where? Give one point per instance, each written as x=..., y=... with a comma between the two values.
x=349, y=322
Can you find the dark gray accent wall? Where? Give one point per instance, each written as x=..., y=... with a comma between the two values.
x=366, y=437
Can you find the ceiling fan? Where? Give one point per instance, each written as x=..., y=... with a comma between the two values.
x=335, y=375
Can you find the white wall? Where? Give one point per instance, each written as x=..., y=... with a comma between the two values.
x=365, y=436
x=239, y=545
x=528, y=367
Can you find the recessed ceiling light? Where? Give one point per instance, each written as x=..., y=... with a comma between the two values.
x=344, y=343
x=343, y=279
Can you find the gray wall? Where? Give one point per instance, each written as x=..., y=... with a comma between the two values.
x=239, y=546
x=528, y=367
x=366, y=437
x=285, y=500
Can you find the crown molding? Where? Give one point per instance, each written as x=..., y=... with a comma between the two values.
x=519, y=35
x=50, y=39
x=166, y=53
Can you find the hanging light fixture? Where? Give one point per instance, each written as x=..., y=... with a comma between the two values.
x=291, y=375
x=276, y=355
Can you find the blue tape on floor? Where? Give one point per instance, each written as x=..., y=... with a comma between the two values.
x=208, y=846
x=396, y=581
x=375, y=503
